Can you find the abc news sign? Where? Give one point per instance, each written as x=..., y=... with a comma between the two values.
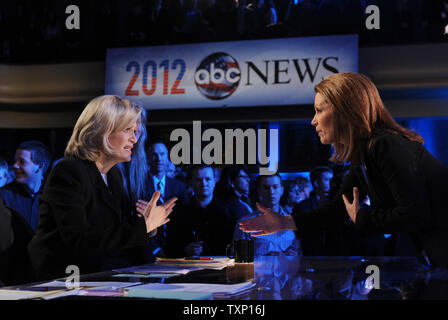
x=232, y=74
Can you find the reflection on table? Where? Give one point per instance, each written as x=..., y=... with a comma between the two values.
x=347, y=278
x=314, y=278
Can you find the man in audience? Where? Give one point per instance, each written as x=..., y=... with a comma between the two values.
x=304, y=187
x=313, y=245
x=320, y=179
x=205, y=226
x=168, y=187
x=31, y=162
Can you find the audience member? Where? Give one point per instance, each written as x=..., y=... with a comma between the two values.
x=3, y=172
x=291, y=196
x=313, y=244
x=233, y=187
x=206, y=225
x=31, y=162
x=168, y=187
x=304, y=186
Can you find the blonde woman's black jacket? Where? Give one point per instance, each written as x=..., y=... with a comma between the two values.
x=85, y=223
x=408, y=189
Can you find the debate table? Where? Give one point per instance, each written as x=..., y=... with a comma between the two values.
x=314, y=278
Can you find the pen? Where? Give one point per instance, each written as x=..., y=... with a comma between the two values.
x=166, y=259
x=198, y=258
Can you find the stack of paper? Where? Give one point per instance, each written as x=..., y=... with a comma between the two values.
x=158, y=268
x=86, y=288
x=23, y=295
x=185, y=290
x=167, y=294
x=90, y=284
x=216, y=263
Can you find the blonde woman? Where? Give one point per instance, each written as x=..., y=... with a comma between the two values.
x=407, y=186
x=85, y=216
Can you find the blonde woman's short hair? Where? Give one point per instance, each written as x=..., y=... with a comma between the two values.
x=100, y=118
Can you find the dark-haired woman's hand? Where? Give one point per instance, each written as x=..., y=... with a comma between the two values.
x=352, y=207
x=268, y=223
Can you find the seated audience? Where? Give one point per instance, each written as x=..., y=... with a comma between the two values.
x=31, y=162
x=206, y=225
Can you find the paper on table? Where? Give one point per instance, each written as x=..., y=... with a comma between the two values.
x=168, y=294
x=111, y=284
x=102, y=292
x=159, y=268
x=218, y=263
x=151, y=275
x=23, y=294
x=218, y=290
x=67, y=293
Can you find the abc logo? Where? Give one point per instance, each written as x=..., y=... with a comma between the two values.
x=217, y=76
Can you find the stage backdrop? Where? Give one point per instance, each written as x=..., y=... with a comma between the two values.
x=228, y=74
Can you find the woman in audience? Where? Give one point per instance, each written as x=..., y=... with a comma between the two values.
x=85, y=216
